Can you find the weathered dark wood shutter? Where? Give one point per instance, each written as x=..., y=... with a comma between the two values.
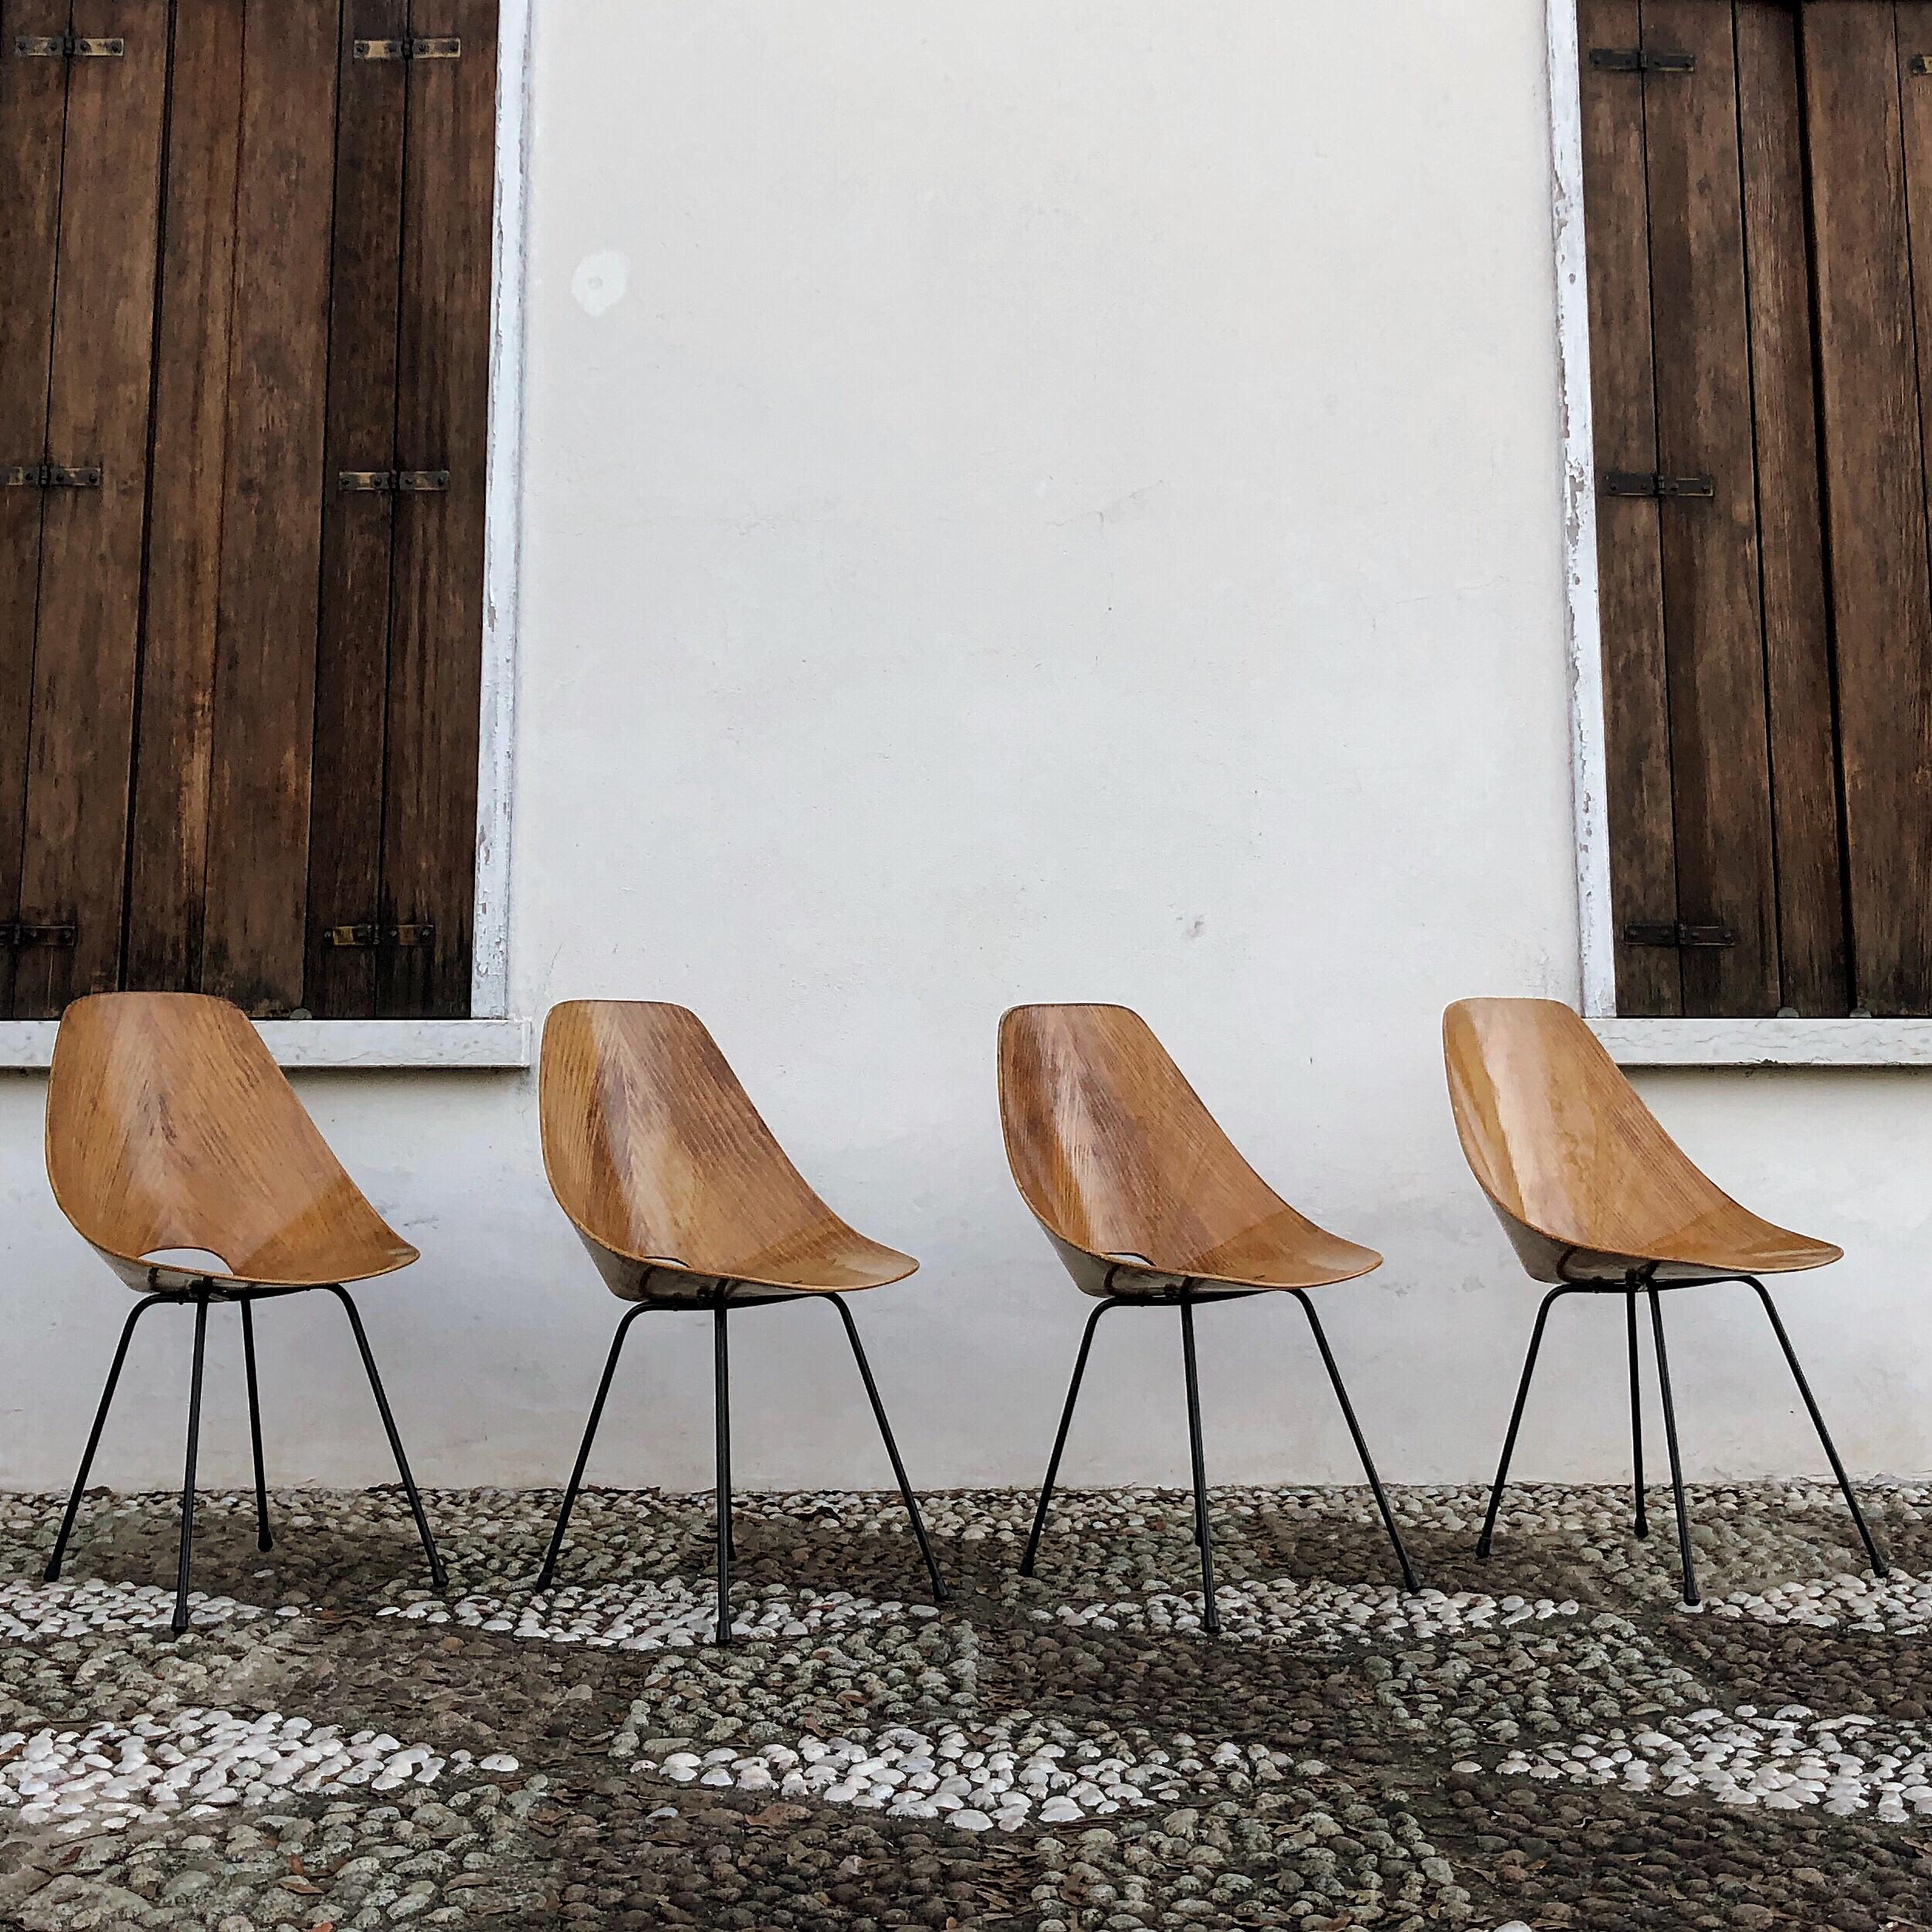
x=1758, y=189
x=244, y=257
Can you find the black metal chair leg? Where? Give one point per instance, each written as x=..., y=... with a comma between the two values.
x=52, y=1572
x=1670, y=1442
x=1210, y=1614
x=1060, y=1441
x=1362, y=1446
x=549, y=1570
x=721, y=1398
x=439, y=1577
x=892, y=1450
x=1817, y=1423
x=1516, y=1422
x=1636, y=1414
x=184, y=1562
x=263, y=1541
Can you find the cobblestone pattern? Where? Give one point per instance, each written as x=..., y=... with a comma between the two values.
x=1549, y=1740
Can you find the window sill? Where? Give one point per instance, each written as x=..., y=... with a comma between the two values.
x=1767, y=1042
x=347, y=1044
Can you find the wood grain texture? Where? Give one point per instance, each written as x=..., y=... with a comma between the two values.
x=1588, y=1184
x=174, y=750
x=1813, y=970
x=1643, y=878
x=169, y=1126
x=1875, y=494
x=660, y=1160
x=430, y=834
x=1131, y=1177
x=74, y=844
x=1720, y=769
x=352, y=664
x=33, y=112
x=254, y=938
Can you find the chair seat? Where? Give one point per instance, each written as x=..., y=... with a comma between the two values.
x=1719, y=1244
x=1284, y=1253
x=819, y=1261
x=170, y=1278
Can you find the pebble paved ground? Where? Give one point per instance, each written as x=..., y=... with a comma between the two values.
x=1546, y=1741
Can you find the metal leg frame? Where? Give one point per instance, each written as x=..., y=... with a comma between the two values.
x=263, y=1541
x=1059, y=1440
x=184, y=1562
x=1210, y=1611
x=721, y=1416
x=1516, y=1419
x=1691, y=1598
x=549, y=1570
x=939, y=1594
x=1362, y=1446
x=1642, y=1524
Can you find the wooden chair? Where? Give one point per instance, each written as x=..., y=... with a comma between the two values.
x=686, y=1201
x=1149, y=1205
x=1596, y=1197
x=170, y=1127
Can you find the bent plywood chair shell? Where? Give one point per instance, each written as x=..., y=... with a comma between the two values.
x=1131, y=1177
x=169, y=1126
x=665, y=1168
x=1586, y=1182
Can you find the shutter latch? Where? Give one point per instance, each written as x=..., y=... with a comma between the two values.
x=1921, y=64
x=1678, y=933
x=15, y=933
x=1641, y=60
x=1637, y=482
x=68, y=47
x=407, y=482
x=417, y=47
x=50, y=475
x=417, y=934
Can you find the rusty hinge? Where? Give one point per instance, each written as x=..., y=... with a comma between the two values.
x=1637, y=482
x=1678, y=933
x=24, y=932
x=1641, y=60
x=415, y=934
x=50, y=475
x=68, y=47
x=1920, y=64
x=407, y=482
x=416, y=47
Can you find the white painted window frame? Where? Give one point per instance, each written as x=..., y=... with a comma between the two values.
x=1639, y=1042
x=493, y=1037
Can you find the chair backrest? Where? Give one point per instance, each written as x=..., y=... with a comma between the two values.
x=169, y=1126
x=653, y=1149
x=1110, y=1146
x=1558, y=1139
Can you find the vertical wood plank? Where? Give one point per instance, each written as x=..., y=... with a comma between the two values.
x=1875, y=494
x=1643, y=878
x=253, y=938
x=33, y=111
x=1720, y=757
x=1804, y=751
x=352, y=668
x=73, y=863
x=435, y=652
x=173, y=748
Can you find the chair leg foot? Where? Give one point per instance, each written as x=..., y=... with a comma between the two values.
x=721, y=1365
x=264, y=1541
x=940, y=1593
x=51, y=1574
x=1211, y=1611
x=184, y=1559
x=1872, y=1550
x=547, y=1574
x=1691, y=1598
x=1362, y=1446
x=1059, y=1440
x=439, y=1576
x=1516, y=1422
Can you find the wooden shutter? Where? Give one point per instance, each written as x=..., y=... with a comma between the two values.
x=268, y=733
x=1727, y=878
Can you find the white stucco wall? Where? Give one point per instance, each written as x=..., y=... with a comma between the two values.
x=1030, y=503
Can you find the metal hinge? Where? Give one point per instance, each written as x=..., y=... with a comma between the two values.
x=415, y=934
x=1641, y=60
x=50, y=475
x=1920, y=64
x=417, y=47
x=1637, y=482
x=68, y=47
x=407, y=482
x=22, y=932
x=1678, y=934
